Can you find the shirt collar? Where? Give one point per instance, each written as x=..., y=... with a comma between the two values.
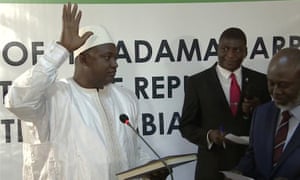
x=296, y=112
x=226, y=74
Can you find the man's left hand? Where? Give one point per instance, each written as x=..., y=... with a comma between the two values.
x=161, y=174
x=248, y=105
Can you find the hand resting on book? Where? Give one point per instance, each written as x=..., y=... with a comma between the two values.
x=160, y=174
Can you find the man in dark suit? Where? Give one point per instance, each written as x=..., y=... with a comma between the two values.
x=274, y=150
x=209, y=111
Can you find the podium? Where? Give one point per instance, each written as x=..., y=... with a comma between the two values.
x=155, y=165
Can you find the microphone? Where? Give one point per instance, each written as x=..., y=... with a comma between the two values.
x=250, y=92
x=124, y=119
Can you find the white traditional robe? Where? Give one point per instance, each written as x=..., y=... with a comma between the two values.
x=76, y=133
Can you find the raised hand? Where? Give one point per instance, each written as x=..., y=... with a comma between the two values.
x=70, y=38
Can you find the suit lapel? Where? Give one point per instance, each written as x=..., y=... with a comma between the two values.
x=291, y=146
x=245, y=79
x=244, y=83
x=273, y=113
x=217, y=87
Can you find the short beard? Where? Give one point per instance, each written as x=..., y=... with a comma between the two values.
x=290, y=105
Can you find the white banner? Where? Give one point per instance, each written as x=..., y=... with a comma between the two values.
x=159, y=45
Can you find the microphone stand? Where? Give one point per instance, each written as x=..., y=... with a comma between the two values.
x=165, y=164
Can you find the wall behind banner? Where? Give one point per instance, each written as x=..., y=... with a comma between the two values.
x=159, y=45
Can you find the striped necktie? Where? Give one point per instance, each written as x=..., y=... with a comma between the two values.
x=281, y=136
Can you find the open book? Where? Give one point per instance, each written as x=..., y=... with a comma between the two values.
x=171, y=161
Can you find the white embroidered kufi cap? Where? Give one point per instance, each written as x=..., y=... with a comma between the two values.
x=100, y=36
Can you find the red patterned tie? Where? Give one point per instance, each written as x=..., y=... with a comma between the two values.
x=235, y=94
x=281, y=136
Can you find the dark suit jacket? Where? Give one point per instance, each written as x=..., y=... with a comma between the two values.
x=205, y=107
x=257, y=162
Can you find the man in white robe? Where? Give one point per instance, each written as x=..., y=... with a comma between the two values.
x=79, y=135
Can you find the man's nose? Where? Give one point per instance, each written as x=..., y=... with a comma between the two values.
x=113, y=63
x=276, y=90
x=230, y=53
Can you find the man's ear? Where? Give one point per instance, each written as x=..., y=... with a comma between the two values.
x=82, y=59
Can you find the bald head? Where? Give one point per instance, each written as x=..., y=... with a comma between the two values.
x=286, y=58
x=284, y=78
